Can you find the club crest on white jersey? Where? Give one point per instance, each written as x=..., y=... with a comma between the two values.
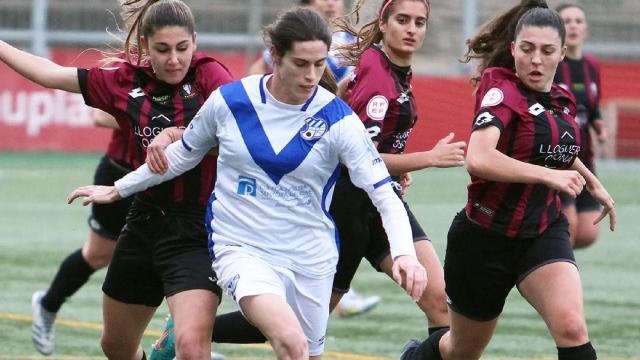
x=314, y=128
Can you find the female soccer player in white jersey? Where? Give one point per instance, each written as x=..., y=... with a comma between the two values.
x=281, y=139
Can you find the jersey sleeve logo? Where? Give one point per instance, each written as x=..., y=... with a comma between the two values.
x=493, y=97
x=314, y=128
x=483, y=118
x=377, y=107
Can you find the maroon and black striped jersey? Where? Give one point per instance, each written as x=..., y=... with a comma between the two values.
x=118, y=148
x=537, y=128
x=582, y=78
x=380, y=93
x=144, y=106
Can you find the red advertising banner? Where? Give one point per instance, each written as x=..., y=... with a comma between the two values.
x=35, y=118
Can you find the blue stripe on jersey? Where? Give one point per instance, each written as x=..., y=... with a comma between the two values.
x=186, y=146
x=325, y=192
x=382, y=182
x=207, y=223
x=257, y=142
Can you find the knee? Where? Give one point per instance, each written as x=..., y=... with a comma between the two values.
x=98, y=260
x=434, y=304
x=291, y=342
x=191, y=346
x=570, y=330
x=114, y=348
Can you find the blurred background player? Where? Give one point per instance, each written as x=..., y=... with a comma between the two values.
x=580, y=74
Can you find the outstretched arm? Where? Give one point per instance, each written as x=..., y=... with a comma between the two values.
x=40, y=70
x=443, y=155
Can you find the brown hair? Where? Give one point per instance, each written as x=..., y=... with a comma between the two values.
x=370, y=33
x=147, y=16
x=492, y=44
x=299, y=24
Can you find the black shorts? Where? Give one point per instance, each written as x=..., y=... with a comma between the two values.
x=481, y=266
x=160, y=252
x=583, y=203
x=107, y=220
x=361, y=232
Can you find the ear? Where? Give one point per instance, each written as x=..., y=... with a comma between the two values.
x=563, y=52
x=144, y=44
x=274, y=55
x=195, y=44
x=513, y=49
x=382, y=25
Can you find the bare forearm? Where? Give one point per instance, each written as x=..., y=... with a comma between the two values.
x=403, y=163
x=39, y=70
x=493, y=165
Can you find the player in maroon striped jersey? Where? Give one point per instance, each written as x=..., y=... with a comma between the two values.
x=523, y=151
x=580, y=74
x=380, y=92
x=162, y=250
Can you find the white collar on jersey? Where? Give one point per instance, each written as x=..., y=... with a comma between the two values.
x=263, y=94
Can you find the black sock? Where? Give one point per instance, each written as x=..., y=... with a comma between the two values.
x=72, y=274
x=429, y=349
x=436, y=328
x=234, y=328
x=582, y=352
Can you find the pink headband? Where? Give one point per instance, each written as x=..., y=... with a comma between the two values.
x=386, y=5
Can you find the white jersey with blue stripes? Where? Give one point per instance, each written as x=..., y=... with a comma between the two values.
x=277, y=166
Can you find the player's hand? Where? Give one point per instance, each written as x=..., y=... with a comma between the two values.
x=156, y=159
x=446, y=154
x=566, y=181
x=602, y=196
x=409, y=274
x=405, y=181
x=95, y=194
x=602, y=136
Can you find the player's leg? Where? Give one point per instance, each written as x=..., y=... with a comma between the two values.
x=549, y=280
x=260, y=292
x=124, y=325
x=105, y=224
x=433, y=301
x=555, y=291
x=193, y=313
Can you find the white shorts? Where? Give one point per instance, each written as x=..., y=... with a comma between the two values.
x=243, y=274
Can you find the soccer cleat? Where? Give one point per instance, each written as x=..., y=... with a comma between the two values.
x=42, y=325
x=353, y=304
x=408, y=348
x=164, y=348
